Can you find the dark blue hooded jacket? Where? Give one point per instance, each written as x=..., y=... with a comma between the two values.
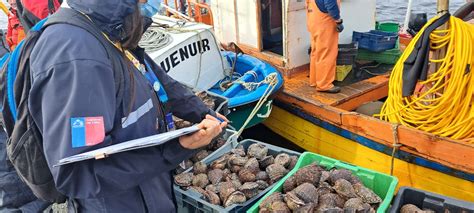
x=72, y=78
x=330, y=7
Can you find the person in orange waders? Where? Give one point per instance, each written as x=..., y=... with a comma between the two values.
x=15, y=32
x=324, y=24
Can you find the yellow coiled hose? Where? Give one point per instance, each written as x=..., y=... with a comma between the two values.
x=443, y=104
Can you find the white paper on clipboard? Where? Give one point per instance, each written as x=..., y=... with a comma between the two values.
x=153, y=140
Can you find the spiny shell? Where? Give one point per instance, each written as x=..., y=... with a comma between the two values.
x=187, y=164
x=262, y=185
x=267, y=202
x=200, y=155
x=235, y=168
x=208, y=100
x=289, y=184
x=216, y=176
x=198, y=189
x=327, y=201
x=340, y=201
x=370, y=209
x=234, y=176
x=184, y=179
x=326, y=189
x=366, y=194
x=261, y=175
x=276, y=172
x=308, y=174
x=293, y=161
x=212, y=188
x=220, y=163
x=280, y=207
x=308, y=208
x=331, y=210
x=246, y=175
x=250, y=189
x=283, y=159
x=219, y=142
x=324, y=177
x=344, y=188
x=293, y=201
x=200, y=180
x=252, y=165
x=181, y=123
x=234, y=198
x=354, y=203
x=199, y=168
x=226, y=172
x=237, y=183
x=236, y=160
x=212, y=197
x=337, y=174
x=410, y=208
x=238, y=151
x=307, y=192
x=258, y=151
x=266, y=161
x=225, y=189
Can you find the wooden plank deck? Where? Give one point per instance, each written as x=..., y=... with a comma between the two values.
x=349, y=98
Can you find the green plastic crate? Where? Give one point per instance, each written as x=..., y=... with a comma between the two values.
x=385, y=57
x=390, y=27
x=383, y=185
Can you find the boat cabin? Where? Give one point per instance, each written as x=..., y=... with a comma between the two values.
x=275, y=30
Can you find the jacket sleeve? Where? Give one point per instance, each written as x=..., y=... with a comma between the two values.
x=182, y=102
x=333, y=9
x=85, y=88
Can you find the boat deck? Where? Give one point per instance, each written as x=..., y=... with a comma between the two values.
x=350, y=97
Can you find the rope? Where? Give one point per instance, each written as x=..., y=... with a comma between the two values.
x=154, y=39
x=272, y=83
x=396, y=145
x=444, y=106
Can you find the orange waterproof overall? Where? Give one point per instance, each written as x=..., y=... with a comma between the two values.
x=324, y=41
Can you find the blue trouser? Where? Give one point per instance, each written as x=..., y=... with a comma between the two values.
x=15, y=196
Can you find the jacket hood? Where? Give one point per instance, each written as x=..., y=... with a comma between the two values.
x=108, y=14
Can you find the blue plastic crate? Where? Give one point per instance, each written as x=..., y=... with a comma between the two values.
x=375, y=40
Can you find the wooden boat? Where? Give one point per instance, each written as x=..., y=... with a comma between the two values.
x=326, y=123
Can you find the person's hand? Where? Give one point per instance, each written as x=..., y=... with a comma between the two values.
x=210, y=128
x=222, y=117
x=339, y=26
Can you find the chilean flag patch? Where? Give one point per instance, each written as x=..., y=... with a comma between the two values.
x=87, y=131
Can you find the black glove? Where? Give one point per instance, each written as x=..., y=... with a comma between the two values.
x=339, y=26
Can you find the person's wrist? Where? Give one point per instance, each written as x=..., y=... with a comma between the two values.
x=183, y=143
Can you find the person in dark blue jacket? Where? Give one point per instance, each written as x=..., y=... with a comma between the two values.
x=73, y=86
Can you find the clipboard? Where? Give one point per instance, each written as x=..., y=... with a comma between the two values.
x=154, y=140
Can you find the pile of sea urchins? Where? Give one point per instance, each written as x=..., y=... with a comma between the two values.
x=237, y=176
x=313, y=189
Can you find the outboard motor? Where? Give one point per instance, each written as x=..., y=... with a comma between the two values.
x=417, y=21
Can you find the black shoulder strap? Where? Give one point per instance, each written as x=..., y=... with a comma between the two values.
x=51, y=7
x=72, y=17
x=27, y=19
